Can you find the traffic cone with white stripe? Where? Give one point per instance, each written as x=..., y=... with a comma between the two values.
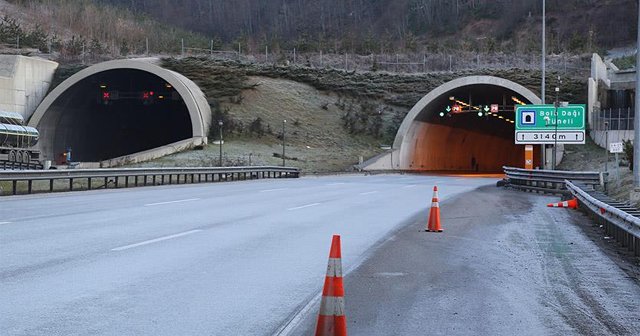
x=571, y=204
x=331, y=319
x=434, y=215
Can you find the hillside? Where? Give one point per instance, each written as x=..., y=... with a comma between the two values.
x=93, y=30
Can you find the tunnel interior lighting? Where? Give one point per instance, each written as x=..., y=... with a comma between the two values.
x=480, y=114
x=518, y=101
x=168, y=86
x=102, y=86
x=442, y=114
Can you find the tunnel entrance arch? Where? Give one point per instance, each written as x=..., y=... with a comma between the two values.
x=120, y=108
x=433, y=139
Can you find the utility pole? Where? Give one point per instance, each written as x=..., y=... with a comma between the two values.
x=544, y=71
x=636, y=121
x=555, y=135
x=283, y=143
x=220, y=123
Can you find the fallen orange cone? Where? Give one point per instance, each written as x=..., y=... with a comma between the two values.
x=571, y=204
x=331, y=319
x=434, y=215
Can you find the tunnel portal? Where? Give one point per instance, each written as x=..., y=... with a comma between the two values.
x=118, y=112
x=466, y=125
x=120, y=108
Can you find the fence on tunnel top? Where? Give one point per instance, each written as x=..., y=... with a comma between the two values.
x=618, y=119
x=85, y=179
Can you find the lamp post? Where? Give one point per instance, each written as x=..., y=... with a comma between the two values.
x=606, y=147
x=283, y=143
x=220, y=123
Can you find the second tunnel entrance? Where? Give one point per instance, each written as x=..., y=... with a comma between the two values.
x=466, y=125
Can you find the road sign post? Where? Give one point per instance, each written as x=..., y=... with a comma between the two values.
x=528, y=157
x=616, y=148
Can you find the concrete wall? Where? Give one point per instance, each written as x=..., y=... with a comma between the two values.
x=600, y=138
x=24, y=82
x=604, y=76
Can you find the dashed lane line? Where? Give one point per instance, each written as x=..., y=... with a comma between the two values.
x=369, y=192
x=304, y=206
x=147, y=242
x=172, y=202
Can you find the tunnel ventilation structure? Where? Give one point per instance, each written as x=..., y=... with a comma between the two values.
x=452, y=128
x=122, y=109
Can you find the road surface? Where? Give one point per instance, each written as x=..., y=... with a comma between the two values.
x=236, y=258
x=505, y=265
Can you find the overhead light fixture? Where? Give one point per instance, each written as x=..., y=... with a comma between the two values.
x=518, y=101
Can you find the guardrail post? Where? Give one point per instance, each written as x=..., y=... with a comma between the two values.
x=70, y=184
x=89, y=182
x=126, y=181
x=15, y=187
x=51, y=185
x=30, y=184
x=106, y=182
x=136, y=180
x=116, y=181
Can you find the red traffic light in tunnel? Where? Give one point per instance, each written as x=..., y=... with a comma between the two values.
x=148, y=97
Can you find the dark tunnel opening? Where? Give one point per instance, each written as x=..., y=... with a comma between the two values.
x=115, y=113
x=471, y=129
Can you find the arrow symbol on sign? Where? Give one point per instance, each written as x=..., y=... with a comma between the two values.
x=486, y=108
x=448, y=108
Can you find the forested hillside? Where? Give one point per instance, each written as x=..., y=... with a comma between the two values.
x=367, y=26
x=113, y=28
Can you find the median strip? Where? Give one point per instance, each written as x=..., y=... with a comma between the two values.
x=304, y=206
x=146, y=242
x=171, y=202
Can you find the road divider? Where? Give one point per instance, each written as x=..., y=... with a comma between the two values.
x=36, y=180
x=332, y=320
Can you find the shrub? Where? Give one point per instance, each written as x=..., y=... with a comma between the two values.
x=628, y=152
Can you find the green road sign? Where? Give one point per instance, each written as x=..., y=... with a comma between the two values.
x=539, y=124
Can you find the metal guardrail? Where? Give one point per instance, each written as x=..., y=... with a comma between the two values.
x=622, y=225
x=9, y=165
x=119, y=178
x=549, y=181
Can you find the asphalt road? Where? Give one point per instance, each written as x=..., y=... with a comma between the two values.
x=504, y=265
x=242, y=258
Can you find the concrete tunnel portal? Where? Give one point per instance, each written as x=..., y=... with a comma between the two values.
x=119, y=108
x=450, y=129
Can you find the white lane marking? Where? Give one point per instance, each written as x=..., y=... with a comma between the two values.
x=369, y=193
x=410, y=186
x=304, y=206
x=270, y=190
x=146, y=242
x=5, y=223
x=171, y=202
x=335, y=184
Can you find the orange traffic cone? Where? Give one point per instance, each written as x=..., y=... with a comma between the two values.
x=331, y=319
x=434, y=216
x=571, y=204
